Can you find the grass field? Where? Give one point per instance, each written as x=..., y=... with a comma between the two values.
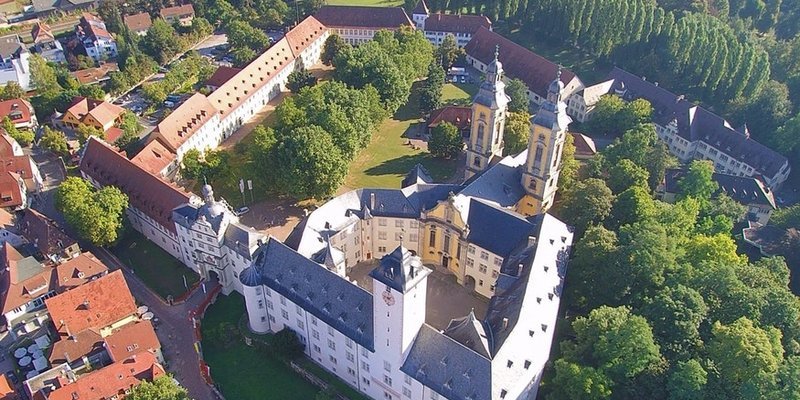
x=387, y=158
x=241, y=372
x=158, y=269
x=458, y=92
x=370, y=3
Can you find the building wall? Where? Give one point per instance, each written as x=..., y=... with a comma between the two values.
x=208, y=136
x=356, y=35
x=437, y=37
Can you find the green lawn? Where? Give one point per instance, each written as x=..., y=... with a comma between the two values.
x=458, y=92
x=242, y=372
x=370, y=3
x=583, y=64
x=158, y=269
x=387, y=159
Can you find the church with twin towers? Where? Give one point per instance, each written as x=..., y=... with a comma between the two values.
x=433, y=290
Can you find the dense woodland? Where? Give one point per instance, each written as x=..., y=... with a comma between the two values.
x=741, y=58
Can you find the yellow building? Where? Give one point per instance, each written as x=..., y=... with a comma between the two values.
x=489, y=108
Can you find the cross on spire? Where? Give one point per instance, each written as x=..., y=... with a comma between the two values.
x=496, y=51
x=558, y=72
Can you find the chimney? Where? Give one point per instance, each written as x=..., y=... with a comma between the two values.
x=86, y=304
x=505, y=323
x=531, y=240
x=372, y=201
x=519, y=269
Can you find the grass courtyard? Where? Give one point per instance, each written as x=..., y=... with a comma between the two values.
x=387, y=159
x=244, y=373
x=370, y=3
x=158, y=269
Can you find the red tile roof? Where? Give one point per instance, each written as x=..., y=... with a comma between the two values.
x=79, y=270
x=536, y=71
x=94, y=305
x=22, y=166
x=363, y=17
x=102, y=111
x=95, y=75
x=17, y=110
x=584, y=145
x=187, y=119
x=305, y=33
x=177, y=11
x=7, y=391
x=146, y=192
x=154, y=157
x=461, y=117
x=222, y=75
x=456, y=23
x=113, y=380
x=132, y=339
x=70, y=349
x=138, y=22
x=40, y=32
x=92, y=25
x=7, y=145
x=22, y=281
x=43, y=232
x=10, y=192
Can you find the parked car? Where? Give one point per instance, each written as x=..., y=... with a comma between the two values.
x=169, y=104
x=463, y=79
x=455, y=79
x=242, y=211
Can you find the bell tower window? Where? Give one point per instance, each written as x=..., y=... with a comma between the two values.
x=537, y=158
x=480, y=133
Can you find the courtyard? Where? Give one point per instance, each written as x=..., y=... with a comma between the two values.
x=446, y=299
x=158, y=269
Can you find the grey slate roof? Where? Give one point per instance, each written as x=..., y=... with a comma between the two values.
x=499, y=184
x=241, y=238
x=400, y=270
x=446, y=366
x=495, y=229
x=418, y=174
x=337, y=302
x=470, y=332
x=10, y=45
x=745, y=190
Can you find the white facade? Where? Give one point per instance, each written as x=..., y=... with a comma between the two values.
x=208, y=136
x=355, y=36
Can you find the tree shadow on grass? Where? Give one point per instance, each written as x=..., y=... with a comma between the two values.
x=410, y=110
x=440, y=169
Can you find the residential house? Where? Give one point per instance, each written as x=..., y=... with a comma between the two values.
x=25, y=170
x=693, y=132
x=44, y=8
x=438, y=26
x=183, y=14
x=132, y=339
x=26, y=284
x=47, y=237
x=14, y=62
x=520, y=63
x=13, y=193
x=79, y=270
x=20, y=112
x=748, y=191
x=461, y=117
x=45, y=43
x=358, y=24
x=9, y=147
x=98, y=43
x=8, y=229
x=111, y=382
x=7, y=391
x=138, y=23
x=97, y=113
x=95, y=75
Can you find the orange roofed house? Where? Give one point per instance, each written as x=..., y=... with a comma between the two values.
x=182, y=14
x=25, y=284
x=46, y=236
x=97, y=113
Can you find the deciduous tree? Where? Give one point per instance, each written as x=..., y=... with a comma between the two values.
x=54, y=141
x=518, y=92
x=311, y=166
x=445, y=141
x=516, y=133
x=162, y=388
x=589, y=202
x=96, y=215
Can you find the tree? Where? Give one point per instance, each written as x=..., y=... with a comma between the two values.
x=698, y=182
x=516, y=133
x=162, y=388
x=92, y=92
x=448, y=52
x=676, y=314
x=300, y=79
x=84, y=131
x=43, y=76
x=763, y=113
x=431, y=93
x=615, y=341
x=588, y=203
x=334, y=45
x=636, y=112
x=603, y=121
x=445, y=141
x=287, y=344
x=162, y=42
x=518, y=92
x=23, y=136
x=54, y=141
x=687, y=381
x=632, y=205
x=569, y=165
x=310, y=164
x=12, y=90
x=595, y=270
x=625, y=174
x=579, y=382
x=742, y=350
x=191, y=166
x=246, y=41
x=96, y=215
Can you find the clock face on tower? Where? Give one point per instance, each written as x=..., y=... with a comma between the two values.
x=388, y=298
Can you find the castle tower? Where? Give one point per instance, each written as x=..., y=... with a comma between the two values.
x=548, y=132
x=488, y=120
x=399, y=285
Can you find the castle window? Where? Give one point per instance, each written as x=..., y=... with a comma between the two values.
x=432, y=240
x=476, y=162
x=480, y=133
x=537, y=158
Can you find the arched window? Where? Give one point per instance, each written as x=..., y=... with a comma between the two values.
x=537, y=158
x=480, y=133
